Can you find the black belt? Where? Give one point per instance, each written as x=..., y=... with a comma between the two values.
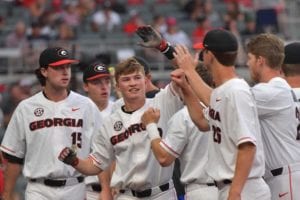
x=222, y=183
x=210, y=184
x=147, y=193
x=277, y=172
x=57, y=183
x=96, y=187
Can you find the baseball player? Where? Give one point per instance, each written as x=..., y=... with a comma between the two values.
x=183, y=140
x=277, y=111
x=235, y=144
x=236, y=159
x=123, y=138
x=42, y=125
x=291, y=67
x=97, y=84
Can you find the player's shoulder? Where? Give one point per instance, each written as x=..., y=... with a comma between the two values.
x=38, y=97
x=275, y=88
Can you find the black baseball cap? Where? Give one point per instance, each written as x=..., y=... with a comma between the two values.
x=55, y=56
x=292, y=53
x=94, y=71
x=219, y=40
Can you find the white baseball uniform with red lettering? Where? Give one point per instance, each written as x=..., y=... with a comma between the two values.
x=185, y=142
x=233, y=120
x=123, y=138
x=90, y=194
x=39, y=129
x=277, y=110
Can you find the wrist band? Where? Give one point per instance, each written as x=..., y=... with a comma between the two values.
x=152, y=131
x=163, y=45
x=168, y=52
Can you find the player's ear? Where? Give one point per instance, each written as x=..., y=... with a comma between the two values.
x=43, y=71
x=85, y=87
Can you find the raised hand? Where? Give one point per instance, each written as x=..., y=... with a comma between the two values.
x=151, y=38
x=151, y=115
x=184, y=58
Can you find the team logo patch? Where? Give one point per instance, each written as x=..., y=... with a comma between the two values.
x=62, y=52
x=118, y=126
x=99, y=68
x=39, y=112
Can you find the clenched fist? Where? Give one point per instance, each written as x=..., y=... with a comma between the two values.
x=68, y=156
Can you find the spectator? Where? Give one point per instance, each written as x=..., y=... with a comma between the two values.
x=133, y=23
x=203, y=26
x=105, y=20
x=17, y=38
x=174, y=34
x=71, y=15
x=159, y=23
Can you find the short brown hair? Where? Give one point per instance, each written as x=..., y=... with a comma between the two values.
x=268, y=46
x=226, y=58
x=128, y=66
x=291, y=69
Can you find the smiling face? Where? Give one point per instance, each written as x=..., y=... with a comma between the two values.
x=132, y=85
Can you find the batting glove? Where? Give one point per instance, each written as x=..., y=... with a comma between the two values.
x=68, y=156
x=151, y=38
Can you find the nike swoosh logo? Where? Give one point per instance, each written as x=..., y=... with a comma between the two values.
x=282, y=194
x=74, y=109
x=218, y=100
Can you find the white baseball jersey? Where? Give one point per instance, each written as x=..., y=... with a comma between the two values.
x=105, y=113
x=185, y=142
x=39, y=129
x=123, y=138
x=233, y=120
x=277, y=113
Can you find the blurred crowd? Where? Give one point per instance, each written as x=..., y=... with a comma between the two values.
x=42, y=23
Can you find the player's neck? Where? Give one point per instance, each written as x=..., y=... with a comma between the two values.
x=102, y=105
x=294, y=81
x=131, y=106
x=223, y=74
x=55, y=95
x=268, y=73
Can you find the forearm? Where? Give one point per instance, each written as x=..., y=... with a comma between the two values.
x=87, y=167
x=244, y=161
x=201, y=89
x=195, y=109
x=161, y=155
x=11, y=173
x=104, y=179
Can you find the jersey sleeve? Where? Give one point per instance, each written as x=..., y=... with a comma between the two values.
x=168, y=101
x=242, y=117
x=102, y=150
x=14, y=139
x=177, y=135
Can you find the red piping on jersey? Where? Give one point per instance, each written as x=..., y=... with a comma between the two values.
x=290, y=179
x=8, y=149
x=94, y=159
x=169, y=148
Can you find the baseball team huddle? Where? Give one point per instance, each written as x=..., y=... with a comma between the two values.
x=233, y=141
